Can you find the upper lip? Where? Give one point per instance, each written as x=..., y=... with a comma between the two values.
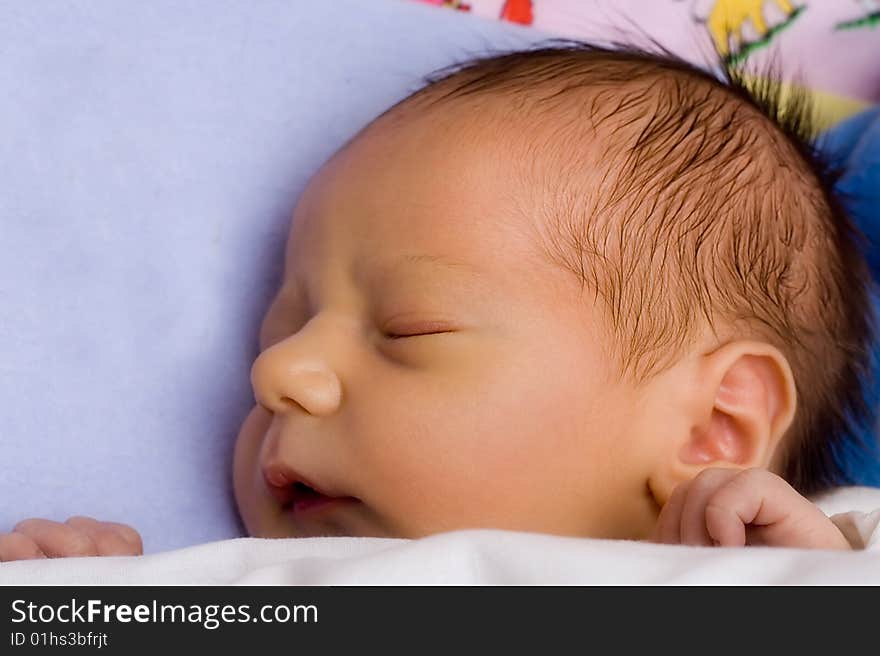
x=280, y=480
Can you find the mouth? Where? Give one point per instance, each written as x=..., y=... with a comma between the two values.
x=298, y=496
x=304, y=498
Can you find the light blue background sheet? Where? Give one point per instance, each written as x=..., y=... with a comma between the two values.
x=150, y=156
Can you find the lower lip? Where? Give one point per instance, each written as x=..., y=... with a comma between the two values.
x=309, y=505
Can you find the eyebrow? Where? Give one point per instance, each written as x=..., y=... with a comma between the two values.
x=383, y=268
x=440, y=260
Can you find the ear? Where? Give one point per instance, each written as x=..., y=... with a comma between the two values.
x=740, y=401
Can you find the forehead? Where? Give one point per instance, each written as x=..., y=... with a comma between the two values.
x=421, y=188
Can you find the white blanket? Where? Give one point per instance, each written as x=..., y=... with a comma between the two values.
x=476, y=557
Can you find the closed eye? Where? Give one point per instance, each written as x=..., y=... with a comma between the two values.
x=417, y=334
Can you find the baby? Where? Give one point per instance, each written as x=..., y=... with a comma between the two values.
x=573, y=290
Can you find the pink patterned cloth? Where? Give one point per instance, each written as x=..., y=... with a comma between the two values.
x=831, y=45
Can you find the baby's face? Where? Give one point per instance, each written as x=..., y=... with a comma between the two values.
x=426, y=366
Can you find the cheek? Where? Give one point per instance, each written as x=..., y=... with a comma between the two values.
x=538, y=416
x=475, y=436
x=247, y=484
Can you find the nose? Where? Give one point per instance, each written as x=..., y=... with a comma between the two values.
x=294, y=375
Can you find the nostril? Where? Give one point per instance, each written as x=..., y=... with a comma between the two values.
x=317, y=392
x=289, y=402
x=314, y=391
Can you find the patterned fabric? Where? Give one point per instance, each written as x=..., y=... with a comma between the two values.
x=832, y=46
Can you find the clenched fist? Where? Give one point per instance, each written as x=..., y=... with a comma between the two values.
x=734, y=508
x=78, y=536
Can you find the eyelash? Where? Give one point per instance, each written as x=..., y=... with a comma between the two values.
x=427, y=329
x=424, y=334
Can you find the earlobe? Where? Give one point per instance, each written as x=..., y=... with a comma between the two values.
x=744, y=401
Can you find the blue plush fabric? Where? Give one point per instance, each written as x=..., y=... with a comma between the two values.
x=854, y=145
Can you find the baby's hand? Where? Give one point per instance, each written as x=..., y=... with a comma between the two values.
x=78, y=536
x=734, y=508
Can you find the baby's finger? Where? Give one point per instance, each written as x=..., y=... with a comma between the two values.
x=15, y=546
x=108, y=539
x=57, y=540
x=693, y=513
x=131, y=536
x=668, y=526
x=748, y=498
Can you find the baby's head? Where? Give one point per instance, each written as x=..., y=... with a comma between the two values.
x=541, y=293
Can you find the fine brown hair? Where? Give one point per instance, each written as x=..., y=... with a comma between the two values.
x=724, y=216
